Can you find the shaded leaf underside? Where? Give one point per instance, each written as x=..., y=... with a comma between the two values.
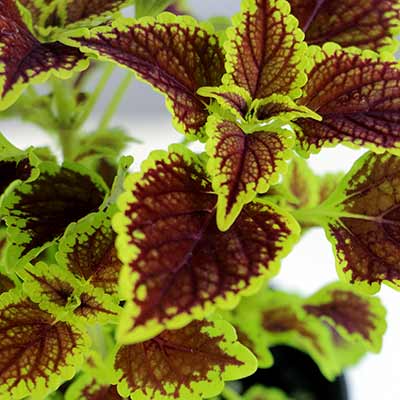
x=39, y=212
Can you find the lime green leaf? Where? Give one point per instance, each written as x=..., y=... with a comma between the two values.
x=174, y=54
x=367, y=24
x=37, y=352
x=24, y=60
x=356, y=94
x=151, y=7
x=87, y=250
x=361, y=220
x=243, y=165
x=263, y=42
x=259, y=392
x=190, y=363
x=38, y=212
x=177, y=264
x=356, y=317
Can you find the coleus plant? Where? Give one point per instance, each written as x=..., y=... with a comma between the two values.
x=155, y=284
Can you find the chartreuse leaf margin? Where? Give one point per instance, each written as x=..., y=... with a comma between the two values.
x=228, y=360
x=284, y=227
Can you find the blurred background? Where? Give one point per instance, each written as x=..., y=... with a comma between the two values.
x=311, y=264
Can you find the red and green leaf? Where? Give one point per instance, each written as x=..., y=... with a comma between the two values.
x=357, y=97
x=263, y=42
x=58, y=292
x=37, y=352
x=243, y=165
x=361, y=219
x=367, y=24
x=38, y=212
x=88, y=388
x=174, y=54
x=190, y=363
x=88, y=251
x=356, y=317
x=327, y=325
x=24, y=60
x=177, y=264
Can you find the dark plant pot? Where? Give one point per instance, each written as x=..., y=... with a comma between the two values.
x=296, y=374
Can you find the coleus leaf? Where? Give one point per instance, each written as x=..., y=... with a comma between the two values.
x=174, y=54
x=367, y=24
x=38, y=212
x=259, y=392
x=361, y=220
x=58, y=292
x=86, y=12
x=87, y=387
x=278, y=318
x=37, y=352
x=356, y=317
x=15, y=164
x=243, y=165
x=88, y=251
x=24, y=60
x=50, y=18
x=326, y=325
x=357, y=97
x=177, y=264
x=264, y=41
x=190, y=363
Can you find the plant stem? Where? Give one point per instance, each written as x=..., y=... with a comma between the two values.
x=230, y=394
x=65, y=105
x=95, y=95
x=115, y=101
x=320, y=215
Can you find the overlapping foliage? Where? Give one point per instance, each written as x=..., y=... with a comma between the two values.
x=155, y=284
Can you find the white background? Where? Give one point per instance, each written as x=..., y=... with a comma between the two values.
x=308, y=267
